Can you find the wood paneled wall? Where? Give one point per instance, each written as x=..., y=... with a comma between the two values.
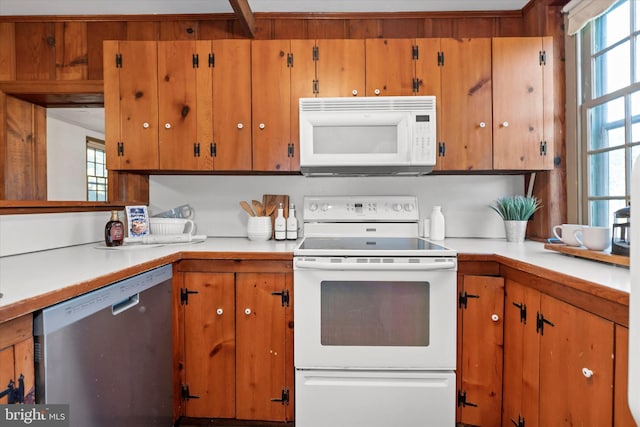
x=70, y=48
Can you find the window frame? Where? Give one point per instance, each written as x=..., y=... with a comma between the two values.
x=97, y=145
x=582, y=66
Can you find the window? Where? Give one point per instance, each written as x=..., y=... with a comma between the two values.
x=96, y=171
x=610, y=109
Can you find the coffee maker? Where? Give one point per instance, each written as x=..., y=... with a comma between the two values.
x=621, y=238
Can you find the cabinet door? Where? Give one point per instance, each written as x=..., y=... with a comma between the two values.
x=480, y=366
x=465, y=122
x=209, y=324
x=204, y=106
x=521, y=349
x=262, y=339
x=390, y=67
x=621, y=414
x=131, y=104
x=576, y=367
x=232, y=105
x=523, y=110
x=340, y=67
x=16, y=357
x=303, y=85
x=271, y=105
x=177, y=105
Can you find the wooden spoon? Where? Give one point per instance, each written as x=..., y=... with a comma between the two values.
x=270, y=209
x=257, y=206
x=247, y=208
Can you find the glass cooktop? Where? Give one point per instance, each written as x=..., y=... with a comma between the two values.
x=372, y=245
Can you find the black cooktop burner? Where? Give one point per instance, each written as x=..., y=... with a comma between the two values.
x=369, y=244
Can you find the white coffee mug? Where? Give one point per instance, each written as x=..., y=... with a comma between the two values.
x=594, y=238
x=567, y=233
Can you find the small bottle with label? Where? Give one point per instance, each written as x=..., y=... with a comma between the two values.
x=114, y=230
x=436, y=231
x=292, y=223
x=280, y=226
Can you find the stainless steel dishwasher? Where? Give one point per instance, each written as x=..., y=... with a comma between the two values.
x=107, y=353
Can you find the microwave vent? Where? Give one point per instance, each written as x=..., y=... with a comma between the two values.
x=372, y=103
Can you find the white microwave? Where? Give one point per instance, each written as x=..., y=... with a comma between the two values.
x=389, y=135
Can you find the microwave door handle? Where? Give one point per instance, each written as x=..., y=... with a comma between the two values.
x=322, y=265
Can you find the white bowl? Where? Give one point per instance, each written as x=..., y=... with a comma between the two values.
x=259, y=228
x=171, y=225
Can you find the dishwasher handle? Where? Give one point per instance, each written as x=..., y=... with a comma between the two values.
x=405, y=266
x=125, y=305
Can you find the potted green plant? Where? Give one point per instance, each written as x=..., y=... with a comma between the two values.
x=515, y=211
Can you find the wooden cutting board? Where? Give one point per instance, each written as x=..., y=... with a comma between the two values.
x=275, y=200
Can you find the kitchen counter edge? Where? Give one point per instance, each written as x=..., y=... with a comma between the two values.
x=96, y=268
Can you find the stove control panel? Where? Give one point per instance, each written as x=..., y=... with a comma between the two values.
x=360, y=208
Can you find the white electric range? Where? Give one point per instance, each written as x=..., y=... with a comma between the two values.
x=374, y=315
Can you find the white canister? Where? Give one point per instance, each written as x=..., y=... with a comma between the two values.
x=436, y=231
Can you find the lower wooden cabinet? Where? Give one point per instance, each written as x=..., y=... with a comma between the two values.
x=479, y=373
x=528, y=358
x=558, y=362
x=16, y=361
x=236, y=336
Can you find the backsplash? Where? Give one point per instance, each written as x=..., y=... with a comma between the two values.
x=464, y=201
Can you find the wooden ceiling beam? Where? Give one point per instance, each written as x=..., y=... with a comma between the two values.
x=245, y=15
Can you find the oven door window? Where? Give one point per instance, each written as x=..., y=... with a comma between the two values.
x=374, y=313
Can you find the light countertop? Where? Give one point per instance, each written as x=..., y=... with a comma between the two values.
x=33, y=281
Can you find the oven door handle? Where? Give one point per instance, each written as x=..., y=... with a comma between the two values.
x=324, y=265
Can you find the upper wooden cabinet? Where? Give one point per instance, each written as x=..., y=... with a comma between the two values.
x=232, y=105
x=169, y=105
x=465, y=114
x=390, y=67
x=224, y=105
x=131, y=105
x=523, y=103
x=271, y=62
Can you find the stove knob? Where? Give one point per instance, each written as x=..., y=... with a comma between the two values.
x=324, y=207
x=313, y=207
x=397, y=207
x=408, y=207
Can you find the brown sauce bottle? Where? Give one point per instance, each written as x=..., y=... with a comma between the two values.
x=114, y=231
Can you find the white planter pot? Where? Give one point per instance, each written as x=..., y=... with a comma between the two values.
x=515, y=230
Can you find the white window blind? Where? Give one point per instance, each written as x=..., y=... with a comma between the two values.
x=580, y=12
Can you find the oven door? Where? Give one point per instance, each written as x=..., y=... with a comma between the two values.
x=383, y=315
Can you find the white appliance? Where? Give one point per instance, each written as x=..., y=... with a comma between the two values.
x=375, y=317
x=388, y=135
x=634, y=297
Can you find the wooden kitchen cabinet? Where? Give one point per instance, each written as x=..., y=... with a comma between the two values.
x=237, y=334
x=224, y=105
x=465, y=114
x=480, y=341
x=170, y=110
x=17, y=360
x=271, y=62
x=390, y=67
x=523, y=114
x=621, y=413
x=558, y=362
x=131, y=105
